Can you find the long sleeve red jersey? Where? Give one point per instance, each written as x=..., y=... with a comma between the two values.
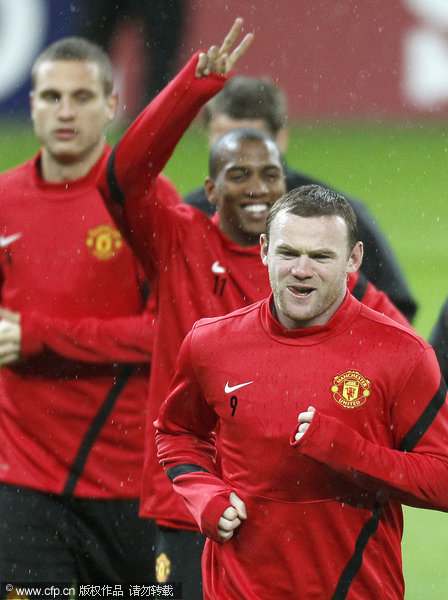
x=324, y=517
x=72, y=411
x=194, y=270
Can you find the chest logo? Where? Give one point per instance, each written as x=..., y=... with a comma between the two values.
x=351, y=389
x=6, y=240
x=217, y=268
x=104, y=241
x=228, y=389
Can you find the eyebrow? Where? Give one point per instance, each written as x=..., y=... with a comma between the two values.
x=248, y=167
x=55, y=90
x=285, y=246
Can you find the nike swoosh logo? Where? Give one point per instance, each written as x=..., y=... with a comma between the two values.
x=231, y=388
x=216, y=268
x=9, y=239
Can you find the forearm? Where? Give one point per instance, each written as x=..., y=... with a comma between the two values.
x=193, y=477
x=121, y=340
x=418, y=478
x=149, y=142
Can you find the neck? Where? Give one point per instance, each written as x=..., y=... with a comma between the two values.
x=55, y=170
x=239, y=237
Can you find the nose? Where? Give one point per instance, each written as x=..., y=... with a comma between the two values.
x=301, y=268
x=66, y=109
x=257, y=187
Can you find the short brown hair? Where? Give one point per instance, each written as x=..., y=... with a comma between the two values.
x=250, y=98
x=316, y=201
x=77, y=49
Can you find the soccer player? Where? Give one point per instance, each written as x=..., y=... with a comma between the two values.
x=75, y=344
x=439, y=339
x=309, y=509
x=196, y=266
x=256, y=102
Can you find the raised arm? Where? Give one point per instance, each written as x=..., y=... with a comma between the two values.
x=149, y=142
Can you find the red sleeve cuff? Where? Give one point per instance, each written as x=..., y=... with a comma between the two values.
x=30, y=343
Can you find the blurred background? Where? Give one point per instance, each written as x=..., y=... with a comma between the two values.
x=367, y=89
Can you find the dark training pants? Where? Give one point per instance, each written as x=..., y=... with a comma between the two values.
x=50, y=538
x=178, y=559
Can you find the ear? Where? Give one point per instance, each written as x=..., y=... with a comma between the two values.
x=32, y=103
x=355, y=258
x=264, y=249
x=281, y=139
x=112, y=105
x=211, y=191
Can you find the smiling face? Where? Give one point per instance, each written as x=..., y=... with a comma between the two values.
x=248, y=182
x=308, y=259
x=70, y=111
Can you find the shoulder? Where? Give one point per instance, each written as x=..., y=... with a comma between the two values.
x=166, y=187
x=233, y=321
x=393, y=333
x=17, y=183
x=21, y=172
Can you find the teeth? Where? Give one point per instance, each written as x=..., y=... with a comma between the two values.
x=256, y=207
x=301, y=292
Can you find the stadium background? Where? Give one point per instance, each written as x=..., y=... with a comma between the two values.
x=367, y=85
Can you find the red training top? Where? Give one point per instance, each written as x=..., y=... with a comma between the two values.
x=72, y=413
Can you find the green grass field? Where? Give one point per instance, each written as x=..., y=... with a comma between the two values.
x=400, y=172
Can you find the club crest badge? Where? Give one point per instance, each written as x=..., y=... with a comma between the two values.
x=351, y=389
x=104, y=241
x=163, y=568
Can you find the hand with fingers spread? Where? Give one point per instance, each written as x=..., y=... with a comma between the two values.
x=232, y=517
x=304, y=419
x=218, y=60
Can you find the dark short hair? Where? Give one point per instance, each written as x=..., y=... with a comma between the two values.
x=234, y=139
x=77, y=49
x=316, y=201
x=250, y=98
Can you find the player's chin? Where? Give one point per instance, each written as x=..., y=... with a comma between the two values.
x=254, y=229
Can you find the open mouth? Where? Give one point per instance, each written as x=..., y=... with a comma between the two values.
x=257, y=210
x=302, y=292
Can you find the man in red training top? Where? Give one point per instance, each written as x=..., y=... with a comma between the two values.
x=310, y=510
x=196, y=266
x=75, y=344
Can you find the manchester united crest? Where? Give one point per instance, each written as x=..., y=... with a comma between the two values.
x=163, y=567
x=351, y=389
x=104, y=241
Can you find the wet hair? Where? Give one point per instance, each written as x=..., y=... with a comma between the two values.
x=231, y=141
x=77, y=49
x=250, y=98
x=316, y=201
